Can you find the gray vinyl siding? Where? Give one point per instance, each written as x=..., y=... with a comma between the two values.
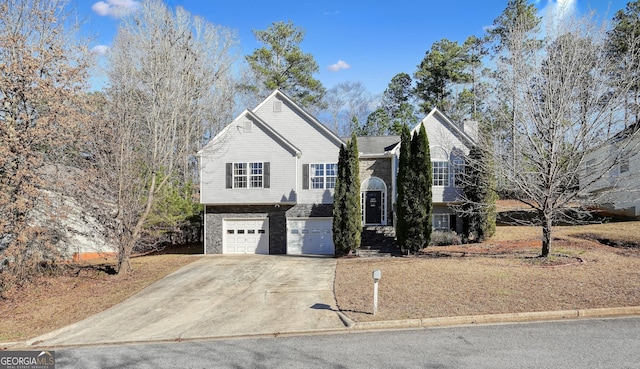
x=286, y=180
x=257, y=146
x=316, y=145
x=441, y=135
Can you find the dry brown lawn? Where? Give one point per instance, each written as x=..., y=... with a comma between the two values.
x=502, y=275
x=77, y=292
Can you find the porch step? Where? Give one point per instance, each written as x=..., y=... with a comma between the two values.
x=378, y=241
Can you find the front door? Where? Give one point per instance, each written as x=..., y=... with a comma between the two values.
x=373, y=207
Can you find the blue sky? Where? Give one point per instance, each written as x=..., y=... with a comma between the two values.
x=366, y=41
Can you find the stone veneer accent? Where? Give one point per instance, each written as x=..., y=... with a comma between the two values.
x=277, y=216
x=381, y=168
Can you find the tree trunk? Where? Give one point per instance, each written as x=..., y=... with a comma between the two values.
x=546, y=235
x=126, y=248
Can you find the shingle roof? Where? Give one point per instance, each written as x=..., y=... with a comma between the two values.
x=371, y=145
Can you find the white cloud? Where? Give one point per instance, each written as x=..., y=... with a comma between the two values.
x=559, y=9
x=115, y=8
x=100, y=49
x=341, y=64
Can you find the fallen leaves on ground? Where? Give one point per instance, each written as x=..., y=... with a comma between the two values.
x=498, y=276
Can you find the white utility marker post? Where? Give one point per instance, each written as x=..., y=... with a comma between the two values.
x=377, y=274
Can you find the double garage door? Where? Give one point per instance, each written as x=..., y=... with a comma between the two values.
x=304, y=236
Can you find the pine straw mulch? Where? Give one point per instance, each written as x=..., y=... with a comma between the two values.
x=503, y=275
x=78, y=291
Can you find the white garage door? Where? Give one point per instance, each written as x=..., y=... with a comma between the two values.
x=245, y=236
x=310, y=236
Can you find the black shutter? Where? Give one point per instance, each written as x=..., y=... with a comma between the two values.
x=305, y=176
x=266, y=180
x=452, y=223
x=229, y=175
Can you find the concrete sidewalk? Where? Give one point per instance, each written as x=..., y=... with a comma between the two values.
x=217, y=296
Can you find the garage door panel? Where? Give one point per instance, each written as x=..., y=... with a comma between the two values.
x=246, y=236
x=310, y=236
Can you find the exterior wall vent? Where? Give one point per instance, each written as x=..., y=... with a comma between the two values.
x=277, y=106
x=248, y=126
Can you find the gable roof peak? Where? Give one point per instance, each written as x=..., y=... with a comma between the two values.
x=314, y=121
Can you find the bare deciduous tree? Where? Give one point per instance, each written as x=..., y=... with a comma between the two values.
x=345, y=101
x=565, y=110
x=170, y=89
x=43, y=69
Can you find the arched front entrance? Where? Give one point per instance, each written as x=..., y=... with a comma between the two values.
x=373, y=193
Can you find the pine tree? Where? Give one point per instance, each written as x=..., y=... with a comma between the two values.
x=281, y=64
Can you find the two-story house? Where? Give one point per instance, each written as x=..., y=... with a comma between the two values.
x=267, y=179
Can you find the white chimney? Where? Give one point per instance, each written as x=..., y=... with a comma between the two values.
x=470, y=127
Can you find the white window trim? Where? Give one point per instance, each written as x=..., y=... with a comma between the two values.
x=325, y=176
x=445, y=177
x=446, y=219
x=458, y=170
x=247, y=174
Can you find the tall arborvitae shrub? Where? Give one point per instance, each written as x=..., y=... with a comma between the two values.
x=414, y=206
x=340, y=205
x=353, y=211
x=347, y=217
x=403, y=181
x=425, y=183
x=419, y=216
x=479, y=206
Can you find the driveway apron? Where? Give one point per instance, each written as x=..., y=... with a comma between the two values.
x=217, y=296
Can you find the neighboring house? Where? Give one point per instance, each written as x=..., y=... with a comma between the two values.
x=267, y=179
x=614, y=169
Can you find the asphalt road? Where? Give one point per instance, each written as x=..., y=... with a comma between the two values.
x=598, y=343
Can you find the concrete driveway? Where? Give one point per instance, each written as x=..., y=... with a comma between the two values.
x=217, y=296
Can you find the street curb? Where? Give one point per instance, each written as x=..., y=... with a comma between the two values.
x=381, y=325
x=497, y=318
